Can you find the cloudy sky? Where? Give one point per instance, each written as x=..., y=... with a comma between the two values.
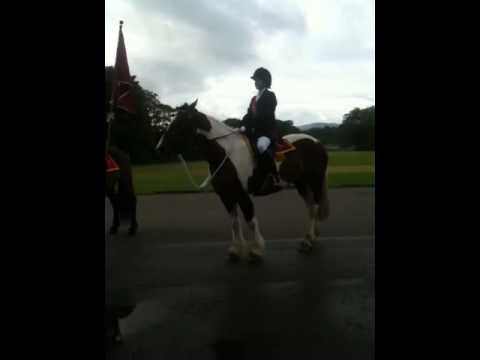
x=321, y=53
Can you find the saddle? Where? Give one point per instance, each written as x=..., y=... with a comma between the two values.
x=281, y=148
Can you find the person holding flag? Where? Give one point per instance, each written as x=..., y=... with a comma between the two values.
x=118, y=303
x=121, y=98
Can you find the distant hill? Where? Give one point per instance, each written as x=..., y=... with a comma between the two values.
x=319, y=125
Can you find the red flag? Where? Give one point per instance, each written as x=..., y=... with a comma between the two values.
x=122, y=81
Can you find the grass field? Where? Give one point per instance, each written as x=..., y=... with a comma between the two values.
x=349, y=168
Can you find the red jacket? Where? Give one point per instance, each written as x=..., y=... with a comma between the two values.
x=111, y=164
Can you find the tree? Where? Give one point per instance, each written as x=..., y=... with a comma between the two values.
x=358, y=129
x=283, y=127
x=158, y=113
x=234, y=123
x=286, y=127
x=138, y=133
x=326, y=135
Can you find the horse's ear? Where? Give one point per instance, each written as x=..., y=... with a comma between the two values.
x=192, y=105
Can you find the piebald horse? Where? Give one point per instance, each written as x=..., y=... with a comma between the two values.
x=231, y=162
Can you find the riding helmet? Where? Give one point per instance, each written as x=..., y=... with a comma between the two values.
x=263, y=74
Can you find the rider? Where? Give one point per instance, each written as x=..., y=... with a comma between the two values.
x=260, y=126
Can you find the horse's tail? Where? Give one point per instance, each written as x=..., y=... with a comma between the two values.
x=324, y=204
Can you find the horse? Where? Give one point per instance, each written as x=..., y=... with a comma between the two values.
x=120, y=192
x=231, y=162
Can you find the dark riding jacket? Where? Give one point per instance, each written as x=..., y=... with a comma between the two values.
x=260, y=118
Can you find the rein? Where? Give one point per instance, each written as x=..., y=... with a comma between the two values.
x=210, y=177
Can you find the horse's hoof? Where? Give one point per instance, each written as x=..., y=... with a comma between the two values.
x=113, y=230
x=305, y=247
x=254, y=258
x=113, y=341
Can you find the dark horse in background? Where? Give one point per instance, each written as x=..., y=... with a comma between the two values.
x=120, y=191
x=232, y=162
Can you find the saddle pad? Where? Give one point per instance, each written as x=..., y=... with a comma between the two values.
x=283, y=147
x=111, y=164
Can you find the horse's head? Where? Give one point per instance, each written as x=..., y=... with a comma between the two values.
x=183, y=130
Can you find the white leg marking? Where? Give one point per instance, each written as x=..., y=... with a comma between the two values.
x=238, y=242
x=313, y=221
x=306, y=244
x=256, y=246
x=312, y=211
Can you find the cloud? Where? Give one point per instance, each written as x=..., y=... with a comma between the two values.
x=320, y=53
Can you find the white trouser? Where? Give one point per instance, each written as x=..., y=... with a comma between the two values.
x=263, y=143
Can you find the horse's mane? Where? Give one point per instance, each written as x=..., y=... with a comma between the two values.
x=219, y=128
x=219, y=123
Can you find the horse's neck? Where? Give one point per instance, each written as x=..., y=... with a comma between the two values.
x=217, y=130
x=219, y=142
x=211, y=150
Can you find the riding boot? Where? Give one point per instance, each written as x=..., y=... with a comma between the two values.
x=255, y=182
x=273, y=166
x=273, y=183
x=266, y=166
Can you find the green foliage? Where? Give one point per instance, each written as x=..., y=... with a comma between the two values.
x=138, y=133
x=284, y=127
x=358, y=129
x=349, y=168
x=234, y=123
x=326, y=135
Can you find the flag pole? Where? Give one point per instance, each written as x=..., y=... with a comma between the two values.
x=110, y=118
x=111, y=114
